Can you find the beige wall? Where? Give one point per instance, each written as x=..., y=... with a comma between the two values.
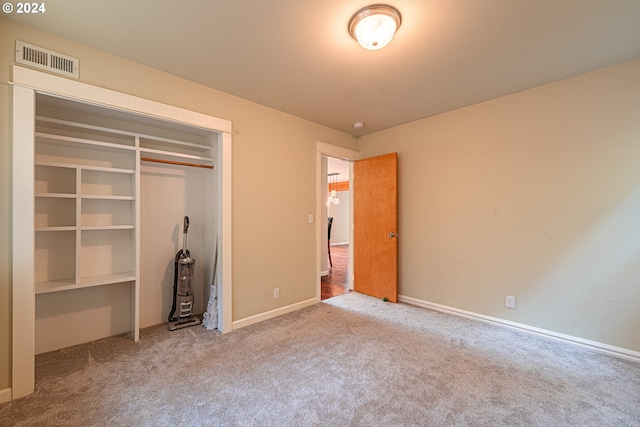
x=340, y=213
x=273, y=244
x=534, y=195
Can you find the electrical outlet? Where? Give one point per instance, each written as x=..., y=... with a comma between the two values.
x=510, y=302
x=276, y=293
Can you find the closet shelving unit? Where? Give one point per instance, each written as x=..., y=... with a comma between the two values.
x=87, y=201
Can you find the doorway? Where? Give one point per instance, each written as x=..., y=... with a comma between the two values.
x=342, y=230
x=372, y=174
x=336, y=270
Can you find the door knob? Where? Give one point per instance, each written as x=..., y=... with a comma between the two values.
x=392, y=234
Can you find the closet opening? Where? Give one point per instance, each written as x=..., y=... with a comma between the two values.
x=109, y=178
x=112, y=227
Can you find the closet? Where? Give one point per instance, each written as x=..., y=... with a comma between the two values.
x=95, y=227
x=100, y=192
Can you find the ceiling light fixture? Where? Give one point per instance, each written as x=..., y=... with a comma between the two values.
x=333, y=194
x=374, y=26
x=358, y=125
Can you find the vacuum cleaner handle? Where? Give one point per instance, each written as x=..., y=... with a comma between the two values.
x=185, y=230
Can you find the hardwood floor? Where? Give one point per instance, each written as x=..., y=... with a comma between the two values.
x=336, y=283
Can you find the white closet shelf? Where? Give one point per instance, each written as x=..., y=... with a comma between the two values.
x=107, y=227
x=176, y=155
x=84, y=282
x=106, y=197
x=85, y=167
x=56, y=195
x=55, y=164
x=57, y=228
x=65, y=140
x=73, y=124
x=172, y=142
x=154, y=139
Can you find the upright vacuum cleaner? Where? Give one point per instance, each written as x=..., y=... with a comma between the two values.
x=181, y=315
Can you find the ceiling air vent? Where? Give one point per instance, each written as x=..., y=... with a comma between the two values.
x=46, y=59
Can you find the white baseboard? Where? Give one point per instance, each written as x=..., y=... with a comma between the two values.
x=324, y=273
x=273, y=313
x=5, y=395
x=620, y=352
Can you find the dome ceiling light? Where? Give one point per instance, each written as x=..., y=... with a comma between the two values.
x=374, y=26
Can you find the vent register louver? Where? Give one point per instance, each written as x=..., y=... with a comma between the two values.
x=46, y=59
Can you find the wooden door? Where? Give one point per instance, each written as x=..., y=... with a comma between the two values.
x=375, y=226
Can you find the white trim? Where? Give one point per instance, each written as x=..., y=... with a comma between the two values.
x=225, y=321
x=336, y=151
x=78, y=91
x=5, y=395
x=352, y=279
x=319, y=218
x=273, y=313
x=134, y=315
x=23, y=242
x=620, y=352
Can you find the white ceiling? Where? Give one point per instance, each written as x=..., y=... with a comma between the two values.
x=297, y=56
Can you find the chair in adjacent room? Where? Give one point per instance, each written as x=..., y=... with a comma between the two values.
x=329, y=241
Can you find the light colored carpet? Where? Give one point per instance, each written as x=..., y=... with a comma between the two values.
x=349, y=361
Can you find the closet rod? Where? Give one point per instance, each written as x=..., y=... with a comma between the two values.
x=172, y=162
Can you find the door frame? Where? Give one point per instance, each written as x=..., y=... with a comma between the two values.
x=329, y=150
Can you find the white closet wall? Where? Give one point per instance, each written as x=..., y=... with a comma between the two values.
x=170, y=193
x=68, y=318
x=340, y=228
